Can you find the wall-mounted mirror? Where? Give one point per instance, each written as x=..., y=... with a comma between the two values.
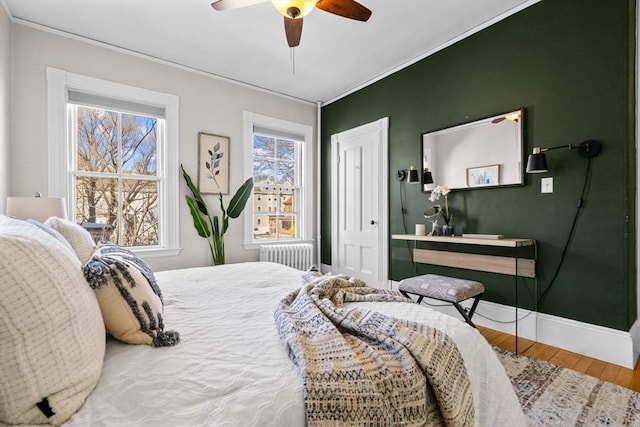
x=481, y=153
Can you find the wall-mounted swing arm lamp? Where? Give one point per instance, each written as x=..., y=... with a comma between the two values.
x=537, y=162
x=427, y=176
x=411, y=175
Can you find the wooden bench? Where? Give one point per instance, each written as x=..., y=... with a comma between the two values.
x=445, y=288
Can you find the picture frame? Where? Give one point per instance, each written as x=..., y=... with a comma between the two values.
x=483, y=176
x=213, y=163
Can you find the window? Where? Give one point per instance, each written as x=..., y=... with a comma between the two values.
x=113, y=156
x=115, y=173
x=279, y=161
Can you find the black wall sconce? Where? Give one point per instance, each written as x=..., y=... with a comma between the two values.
x=537, y=162
x=427, y=176
x=411, y=173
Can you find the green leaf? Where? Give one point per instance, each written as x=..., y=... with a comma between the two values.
x=198, y=222
x=216, y=228
x=202, y=206
x=225, y=224
x=239, y=200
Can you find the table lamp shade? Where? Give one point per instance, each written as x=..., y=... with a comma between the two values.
x=38, y=208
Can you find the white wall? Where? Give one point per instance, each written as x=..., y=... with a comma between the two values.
x=207, y=104
x=5, y=99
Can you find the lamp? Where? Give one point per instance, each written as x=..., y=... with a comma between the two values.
x=294, y=9
x=537, y=162
x=38, y=208
x=412, y=174
x=427, y=176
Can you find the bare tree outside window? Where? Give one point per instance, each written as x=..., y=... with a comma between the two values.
x=116, y=175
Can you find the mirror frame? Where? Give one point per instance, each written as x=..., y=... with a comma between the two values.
x=494, y=167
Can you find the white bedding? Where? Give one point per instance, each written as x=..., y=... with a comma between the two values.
x=230, y=368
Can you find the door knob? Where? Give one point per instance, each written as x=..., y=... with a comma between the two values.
x=373, y=222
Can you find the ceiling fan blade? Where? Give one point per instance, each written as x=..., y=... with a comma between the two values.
x=346, y=8
x=233, y=4
x=293, y=30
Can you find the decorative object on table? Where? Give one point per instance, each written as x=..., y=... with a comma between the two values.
x=421, y=229
x=537, y=162
x=37, y=207
x=208, y=226
x=483, y=176
x=433, y=215
x=213, y=164
x=436, y=193
x=483, y=236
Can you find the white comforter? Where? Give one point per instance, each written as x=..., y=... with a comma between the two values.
x=230, y=368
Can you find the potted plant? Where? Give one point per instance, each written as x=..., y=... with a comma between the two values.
x=209, y=226
x=447, y=229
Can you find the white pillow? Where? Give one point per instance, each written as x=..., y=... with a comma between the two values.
x=52, y=231
x=52, y=335
x=79, y=238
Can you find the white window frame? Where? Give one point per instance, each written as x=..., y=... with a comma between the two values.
x=304, y=229
x=60, y=155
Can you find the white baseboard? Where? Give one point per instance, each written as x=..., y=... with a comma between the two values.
x=610, y=345
x=598, y=342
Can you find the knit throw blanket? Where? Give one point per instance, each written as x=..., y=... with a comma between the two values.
x=361, y=368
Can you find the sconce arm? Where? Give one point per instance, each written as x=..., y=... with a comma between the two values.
x=590, y=148
x=543, y=149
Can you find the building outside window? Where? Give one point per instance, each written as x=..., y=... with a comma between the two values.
x=279, y=163
x=277, y=166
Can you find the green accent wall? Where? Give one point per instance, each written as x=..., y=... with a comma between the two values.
x=570, y=64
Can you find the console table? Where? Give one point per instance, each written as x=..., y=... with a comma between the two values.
x=510, y=265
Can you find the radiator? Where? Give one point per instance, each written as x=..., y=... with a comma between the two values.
x=296, y=255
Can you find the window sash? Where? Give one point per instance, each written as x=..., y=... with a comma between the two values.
x=275, y=189
x=119, y=175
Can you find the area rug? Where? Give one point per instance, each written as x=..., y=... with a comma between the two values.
x=554, y=396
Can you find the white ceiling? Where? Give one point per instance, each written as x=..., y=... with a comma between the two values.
x=336, y=55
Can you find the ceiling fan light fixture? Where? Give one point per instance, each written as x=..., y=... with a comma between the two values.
x=294, y=9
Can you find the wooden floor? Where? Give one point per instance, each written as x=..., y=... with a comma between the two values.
x=629, y=378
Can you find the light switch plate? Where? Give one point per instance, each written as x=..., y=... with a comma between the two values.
x=546, y=185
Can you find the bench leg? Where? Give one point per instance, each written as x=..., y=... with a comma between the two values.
x=468, y=314
x=420, y=297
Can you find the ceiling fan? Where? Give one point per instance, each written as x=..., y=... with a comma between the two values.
x=294, y=11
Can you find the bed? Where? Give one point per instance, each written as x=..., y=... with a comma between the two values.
x=230, y=368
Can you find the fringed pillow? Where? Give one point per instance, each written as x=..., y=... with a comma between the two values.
x=129, y=298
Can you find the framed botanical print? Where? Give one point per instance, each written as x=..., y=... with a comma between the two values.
x=213, y=164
